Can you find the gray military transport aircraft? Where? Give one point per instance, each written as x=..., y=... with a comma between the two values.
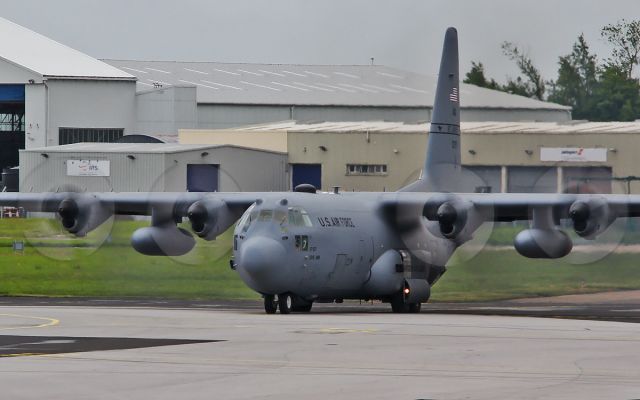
x=297, y=248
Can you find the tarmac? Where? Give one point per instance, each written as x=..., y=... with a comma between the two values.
x=565, y=347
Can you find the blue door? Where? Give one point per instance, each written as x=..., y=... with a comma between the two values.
x=202, y=177
x=306, y=173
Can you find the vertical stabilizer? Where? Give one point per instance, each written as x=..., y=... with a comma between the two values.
x=441, y=170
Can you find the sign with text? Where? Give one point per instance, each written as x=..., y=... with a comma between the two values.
x=88, y=168
x=573, y=154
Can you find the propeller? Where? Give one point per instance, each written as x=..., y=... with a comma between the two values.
x=72, y=224
x=590, y=226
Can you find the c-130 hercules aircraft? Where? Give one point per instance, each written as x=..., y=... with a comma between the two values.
x=296, y=248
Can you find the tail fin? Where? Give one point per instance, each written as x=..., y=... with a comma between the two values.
x=442, y=165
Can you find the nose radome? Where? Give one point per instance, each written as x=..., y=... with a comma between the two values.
x=261, y=255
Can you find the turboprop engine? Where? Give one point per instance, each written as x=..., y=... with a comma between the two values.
x=210, y=217
x=453, y=217
x=591, y=218
x=82, y=213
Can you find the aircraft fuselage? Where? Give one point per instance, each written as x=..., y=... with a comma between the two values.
x=326, y=246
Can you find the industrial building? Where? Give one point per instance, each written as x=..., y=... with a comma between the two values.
x=500, y=156
x=125, y=167
x=51, y=94
x=208, y=95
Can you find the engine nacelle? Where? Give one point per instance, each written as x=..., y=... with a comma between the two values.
x=451, y=217
x=82, y=213
x=209, y=218
x=385, y=278
x=591, y=218
x=162, y=241
x=543, y=243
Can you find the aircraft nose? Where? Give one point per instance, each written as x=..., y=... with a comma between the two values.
x=262, y=255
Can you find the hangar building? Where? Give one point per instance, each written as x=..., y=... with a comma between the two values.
x=208, y=95
x=51, y=94
x=517, y=157
x=159, y=167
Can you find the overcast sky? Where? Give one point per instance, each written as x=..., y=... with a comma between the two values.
x=401, y=33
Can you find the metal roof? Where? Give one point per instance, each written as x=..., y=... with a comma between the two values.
x=43, y=56
x=135, y=148
x=287, y=84
x=573, y=127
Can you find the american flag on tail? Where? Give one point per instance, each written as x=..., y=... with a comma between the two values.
x=453, y=96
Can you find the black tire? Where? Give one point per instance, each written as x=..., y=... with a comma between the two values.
x=398, y=305
x=270, y=304
x=415, y=307
x=284, y=303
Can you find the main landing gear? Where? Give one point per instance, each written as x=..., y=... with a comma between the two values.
x=286, y=302
x=398, y=305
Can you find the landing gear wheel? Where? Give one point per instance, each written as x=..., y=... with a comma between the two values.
x=398, y=305
x=284, y=302
x=270, y=304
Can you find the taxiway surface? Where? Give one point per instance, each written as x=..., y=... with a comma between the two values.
x=133, y=350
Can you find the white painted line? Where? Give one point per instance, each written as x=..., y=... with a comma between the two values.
x=408, y=89
x=220, y=84
x=357, y=88
x=196, y=71
x=317, y=74
x=260, y=86
x=294, y=73
x=272, y=73
x=389, y=75
x=312, y=87
x=226, y=72
x=337, y=88
x=289, y=86
x=133, y=69
x=347, y=75
x=158, y=70
x=379, y=88
x=249, y=72
x=198, y=84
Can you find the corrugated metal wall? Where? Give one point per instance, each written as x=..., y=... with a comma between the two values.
x=240, y=170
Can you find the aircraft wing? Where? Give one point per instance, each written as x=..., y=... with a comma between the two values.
x=210, y=214
x=510, y=206
x=456, y=216
x=133, y=203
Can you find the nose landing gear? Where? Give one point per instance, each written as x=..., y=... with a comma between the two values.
x=286, y=302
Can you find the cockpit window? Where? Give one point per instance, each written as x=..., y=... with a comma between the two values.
x=265, y=215
x=280, y=217
x=249, y=216
x=299, y=217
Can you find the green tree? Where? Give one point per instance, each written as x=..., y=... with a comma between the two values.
x=577, y=78
x=625, y=38
x=533, y=84
x=616, y=97
x=477, y=77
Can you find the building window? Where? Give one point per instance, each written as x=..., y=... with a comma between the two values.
x=92, y=135
x=366, y=169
